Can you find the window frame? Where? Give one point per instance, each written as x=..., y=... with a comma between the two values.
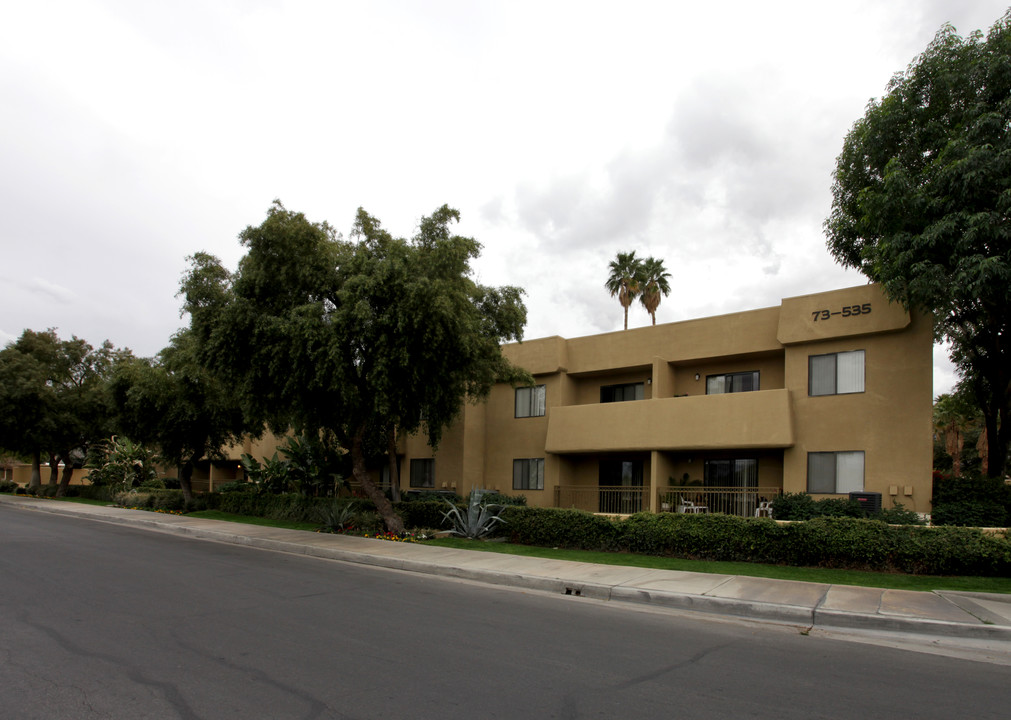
x=812, y=381
x=754, y=374
x=523, y=469
x=638, y=389
x=743, y=471
x=417, y=479
x=535, y=402
x=837, y=459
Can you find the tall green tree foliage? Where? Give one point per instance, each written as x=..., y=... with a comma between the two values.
x=175, y=403
x=54, y=400
x=355, y=336
x=922, y=201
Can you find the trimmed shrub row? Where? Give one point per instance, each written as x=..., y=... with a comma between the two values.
x=971, y=501
x=839, y=542
x=801, y=506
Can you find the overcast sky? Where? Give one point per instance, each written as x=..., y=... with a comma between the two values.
x=134, y=133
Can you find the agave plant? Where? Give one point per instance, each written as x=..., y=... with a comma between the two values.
x=478, y=521
x=336, y=517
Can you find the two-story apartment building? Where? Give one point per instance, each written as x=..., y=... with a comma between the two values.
x=826, y=394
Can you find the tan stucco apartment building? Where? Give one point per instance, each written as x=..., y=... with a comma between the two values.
x=826, y=394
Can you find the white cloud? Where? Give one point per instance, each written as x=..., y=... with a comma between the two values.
x=139, y=133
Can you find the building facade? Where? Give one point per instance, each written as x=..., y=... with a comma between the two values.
x=826, y=394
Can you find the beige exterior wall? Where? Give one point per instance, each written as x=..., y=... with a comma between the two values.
x=677, y=427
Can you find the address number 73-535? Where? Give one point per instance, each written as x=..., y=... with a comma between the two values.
x=848, y=311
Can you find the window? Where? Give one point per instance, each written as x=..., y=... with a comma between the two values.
x=620, y=393
x=528, y=474
x=836, y=373
x=835, y=472
x=731, y=383
x=423, y=473
x=733, y=472
x=530, y=401
x=620, y=472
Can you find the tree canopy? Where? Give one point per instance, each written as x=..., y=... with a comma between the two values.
x=359, y=337
x=54, y=399
x=631, y=278
x=922, y=205
x=176, y=404
x=655, y=284
x=624, y=280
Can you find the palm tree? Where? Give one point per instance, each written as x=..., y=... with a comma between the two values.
x=625, y=279
x=654, y=284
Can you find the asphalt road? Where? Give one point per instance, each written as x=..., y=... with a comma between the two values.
x=103, y=621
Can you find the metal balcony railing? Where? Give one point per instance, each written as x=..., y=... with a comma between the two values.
x=627, y=499
x=614, y=500
x=743, y=502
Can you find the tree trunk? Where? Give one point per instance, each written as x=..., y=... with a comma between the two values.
x=36, y=482
x=998, y=441
x=54, y=470
x=66, y=476
x=185, y=481
x=393, y=521
x=394, y=471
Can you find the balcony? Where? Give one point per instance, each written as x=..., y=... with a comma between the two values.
x=759, y=419
x=628, y=499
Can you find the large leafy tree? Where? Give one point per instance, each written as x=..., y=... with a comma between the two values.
x=358, y=337
x=173, y=402
x=922, y=205
x=655, y=284
x=54, y=400
x=625, y=280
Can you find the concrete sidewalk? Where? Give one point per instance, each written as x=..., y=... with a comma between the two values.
x=944, y=614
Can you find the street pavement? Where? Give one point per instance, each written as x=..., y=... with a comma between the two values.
x=939, y=614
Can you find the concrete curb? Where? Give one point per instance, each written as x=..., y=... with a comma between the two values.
x=989, y=625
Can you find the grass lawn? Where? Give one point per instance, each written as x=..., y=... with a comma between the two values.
x=892, y=581
x=251, y=520
x=83, y=501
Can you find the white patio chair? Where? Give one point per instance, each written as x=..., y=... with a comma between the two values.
x=689, y=507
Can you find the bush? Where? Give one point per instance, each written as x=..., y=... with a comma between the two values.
x=8, y=486
x=793, y=506
x=703, y=536
x=158, y=499
x=801, y=506
x=969, y=513
x=236, y=486
x=971, y=501
x=899, y=514
x=287, y=506
x=551, y=527
x=497, y=498
x=421, y=513
x=95, y=492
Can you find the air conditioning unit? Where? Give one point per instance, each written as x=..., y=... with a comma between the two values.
x=869, y=501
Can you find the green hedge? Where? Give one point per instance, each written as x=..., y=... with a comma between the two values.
x=550, y=527
x=288, y=506
x=422, y=514
x=971, y=501
x=838, y=542
x=158, y=499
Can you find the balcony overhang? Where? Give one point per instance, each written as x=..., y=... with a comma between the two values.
x=759, y=419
